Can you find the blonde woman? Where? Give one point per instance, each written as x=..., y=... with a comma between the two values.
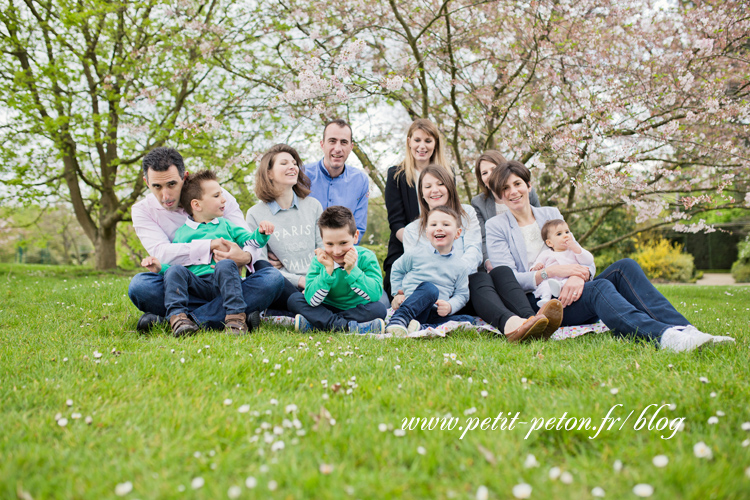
x=424, y=146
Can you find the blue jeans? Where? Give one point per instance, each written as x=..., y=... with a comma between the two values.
x=626, y=301
x=224, y=282
x=325, y=317
x=420, y=305
x=146, y=291
x=278, y=306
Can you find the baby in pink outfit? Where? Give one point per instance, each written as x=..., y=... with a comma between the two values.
x=561, y=249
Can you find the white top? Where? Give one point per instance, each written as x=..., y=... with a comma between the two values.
x=500, y=208
x=532, y=237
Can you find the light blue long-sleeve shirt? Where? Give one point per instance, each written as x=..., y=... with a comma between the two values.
x=447, y=272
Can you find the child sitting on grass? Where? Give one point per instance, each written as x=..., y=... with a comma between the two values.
x=344, y=282
x=202, y=199
x=430, y=285
x=561, y=249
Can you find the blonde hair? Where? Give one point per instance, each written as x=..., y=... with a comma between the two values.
x=408, y=166
x=264, y=188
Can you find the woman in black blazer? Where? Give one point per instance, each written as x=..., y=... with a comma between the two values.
x=424, y=146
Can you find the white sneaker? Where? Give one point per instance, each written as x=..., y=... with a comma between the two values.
x=684, y=339
x=414, y=326
x=396, y=330
x=717, y=339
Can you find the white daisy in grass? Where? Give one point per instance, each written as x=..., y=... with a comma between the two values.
x=484, y=394
x=524, y=380
x=617, y=466
x=399, y=432
x=382, y=427
x=643, y=490
x=554, y=473
x=713, y=420
x=227, y=402
x=325, y=469
x=703, y=380
x=123, y=489
x=277, y=446
x=244, y=409
x=234, y=492
x=746, y=443
x=482, y=493
x=530, y=461
x=566, y=477
x=89, y=420
x=274, y=401
x=62, y=422
x=272, y=485
x=197, y=483
x=660, y=461
x=747, y=471
x=672, y=407
x=702, y=450
x=251, y=482
x=597, y=492
x=713, y=394
x=75, y=416
x=69, y=402
x=720, y=413
x=745, y=426
x=614, y=390
x=421, y=450
x=522, y=490
x=291, y=408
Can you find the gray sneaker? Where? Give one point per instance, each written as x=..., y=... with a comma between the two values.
x=684, y=339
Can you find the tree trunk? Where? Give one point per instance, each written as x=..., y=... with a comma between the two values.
x=104, y=247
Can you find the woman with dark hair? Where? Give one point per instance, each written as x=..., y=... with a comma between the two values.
x=283, y=190
x=621, y=296
x=438, y=188
x=424, y=145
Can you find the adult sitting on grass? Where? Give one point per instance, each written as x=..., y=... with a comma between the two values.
x=436, y=187
x=156, y=220
x=621, y=296
x=202, y=199
x=284, y=191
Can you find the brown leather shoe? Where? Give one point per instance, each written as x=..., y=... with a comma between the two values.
x=532, y=328
x=182, y=325
x=235, y=324
x=553, y=310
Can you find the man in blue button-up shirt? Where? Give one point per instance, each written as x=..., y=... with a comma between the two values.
x=333, y=182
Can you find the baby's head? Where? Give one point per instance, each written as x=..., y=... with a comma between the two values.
x=339, y=232
x=556, y=234
x=201, y=196
x=443, y=228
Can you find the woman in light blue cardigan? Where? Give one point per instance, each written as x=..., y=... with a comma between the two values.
x=621, y=296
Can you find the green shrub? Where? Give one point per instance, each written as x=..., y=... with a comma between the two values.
x=380, y=252
x=741, y=268
x=606, y=258
x=662, y=261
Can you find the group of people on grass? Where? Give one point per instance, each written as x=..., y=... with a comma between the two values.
x=502, y=258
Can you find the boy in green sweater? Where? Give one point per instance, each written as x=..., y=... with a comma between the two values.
x=344, y=282
x=202, y=199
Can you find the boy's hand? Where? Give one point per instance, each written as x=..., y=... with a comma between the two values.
x=537, y=267
x=398, y=300
x=325, y=259
x=350, y=260
x=266, y=227
x=301, y=282
x=443, y=308
x=152, y=264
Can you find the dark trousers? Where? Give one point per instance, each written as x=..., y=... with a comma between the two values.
x=325, y=317
x=278, y=307
x=497, y=296
x=420, y=305
x=224, y=282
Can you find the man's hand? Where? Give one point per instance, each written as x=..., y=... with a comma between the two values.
x=325, y=259
x=350, y=260
x=443, y=308
x=220, y=244
x=398, y=300
x=152, y=264
x=537, y=267
x=266, y=227
x=274, y=261
x=235, y=253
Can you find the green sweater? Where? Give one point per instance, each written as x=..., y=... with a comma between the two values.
x=217, y=228
x=345, y=290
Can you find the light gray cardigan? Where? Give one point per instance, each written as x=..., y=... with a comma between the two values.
x=485, y=208
x=507, y=247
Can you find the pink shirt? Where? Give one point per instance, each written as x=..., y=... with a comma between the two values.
x=156, y=227
x=549, y=257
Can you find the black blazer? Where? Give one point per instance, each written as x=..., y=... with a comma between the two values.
x=403, y=207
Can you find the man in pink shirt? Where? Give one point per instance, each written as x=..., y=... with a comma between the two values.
x=156, y=219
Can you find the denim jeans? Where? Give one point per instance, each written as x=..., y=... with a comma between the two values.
x=224, y=282
x=278, y=307
x=146, y=291
x=325, y=317
x=420, y=305
x=626, y=301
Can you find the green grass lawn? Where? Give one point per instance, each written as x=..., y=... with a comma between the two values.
x=317, y=416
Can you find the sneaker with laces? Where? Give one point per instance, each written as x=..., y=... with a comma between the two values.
x=301, y=324
x=398, y=331
x=684, y=339
x=376, y=326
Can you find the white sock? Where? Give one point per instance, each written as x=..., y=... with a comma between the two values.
x=554, y=287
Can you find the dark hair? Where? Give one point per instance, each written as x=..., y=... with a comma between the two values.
x=494, y=157
x=446, y=210
x=341, y=123
x=161, y=158
x=336, y=217
x=500, y=175
x=549, y=226
x=192, y=189
x=446, y=178
x=264, y=188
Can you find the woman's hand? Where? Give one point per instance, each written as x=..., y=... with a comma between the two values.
x=488, y=265
x=400, y=235
x=398, y=300
x=568, y=271
x=571, y=291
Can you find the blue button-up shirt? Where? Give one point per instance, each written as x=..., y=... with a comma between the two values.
x=351, y=189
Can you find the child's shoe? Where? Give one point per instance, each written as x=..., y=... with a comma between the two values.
x=301, y=324
x=376, y=326
x=182, y=325
x=235, y=324
x=398, y=331
x=253, y=321
x=414, y=326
